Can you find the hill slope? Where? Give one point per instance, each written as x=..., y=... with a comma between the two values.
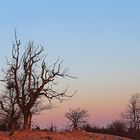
x=75, y=135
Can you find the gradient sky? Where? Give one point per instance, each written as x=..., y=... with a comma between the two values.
x=99, y=40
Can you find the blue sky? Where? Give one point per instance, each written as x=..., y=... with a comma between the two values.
x=98, y=40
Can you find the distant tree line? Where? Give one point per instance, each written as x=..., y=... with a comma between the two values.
x=128, y=125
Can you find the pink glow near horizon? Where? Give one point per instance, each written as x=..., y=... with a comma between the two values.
x=101, y=112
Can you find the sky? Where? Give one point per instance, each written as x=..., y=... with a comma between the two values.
x=99, y=42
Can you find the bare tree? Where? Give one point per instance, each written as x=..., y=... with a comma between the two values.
x=32, y=78
x=132, y=114
x=77, y=118
x=10, y=114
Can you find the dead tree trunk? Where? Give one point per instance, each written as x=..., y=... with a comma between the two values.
x=12, y=128
x=27, y=120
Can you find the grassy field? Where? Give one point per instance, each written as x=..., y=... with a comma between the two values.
x=74, y=135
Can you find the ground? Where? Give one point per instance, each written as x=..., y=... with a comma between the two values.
x=75, y=135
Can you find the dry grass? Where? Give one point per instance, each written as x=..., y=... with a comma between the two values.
x=75, y=135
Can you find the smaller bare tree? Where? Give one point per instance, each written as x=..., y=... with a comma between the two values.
x=10, y=113
x=132, y=114
x=77, y=118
